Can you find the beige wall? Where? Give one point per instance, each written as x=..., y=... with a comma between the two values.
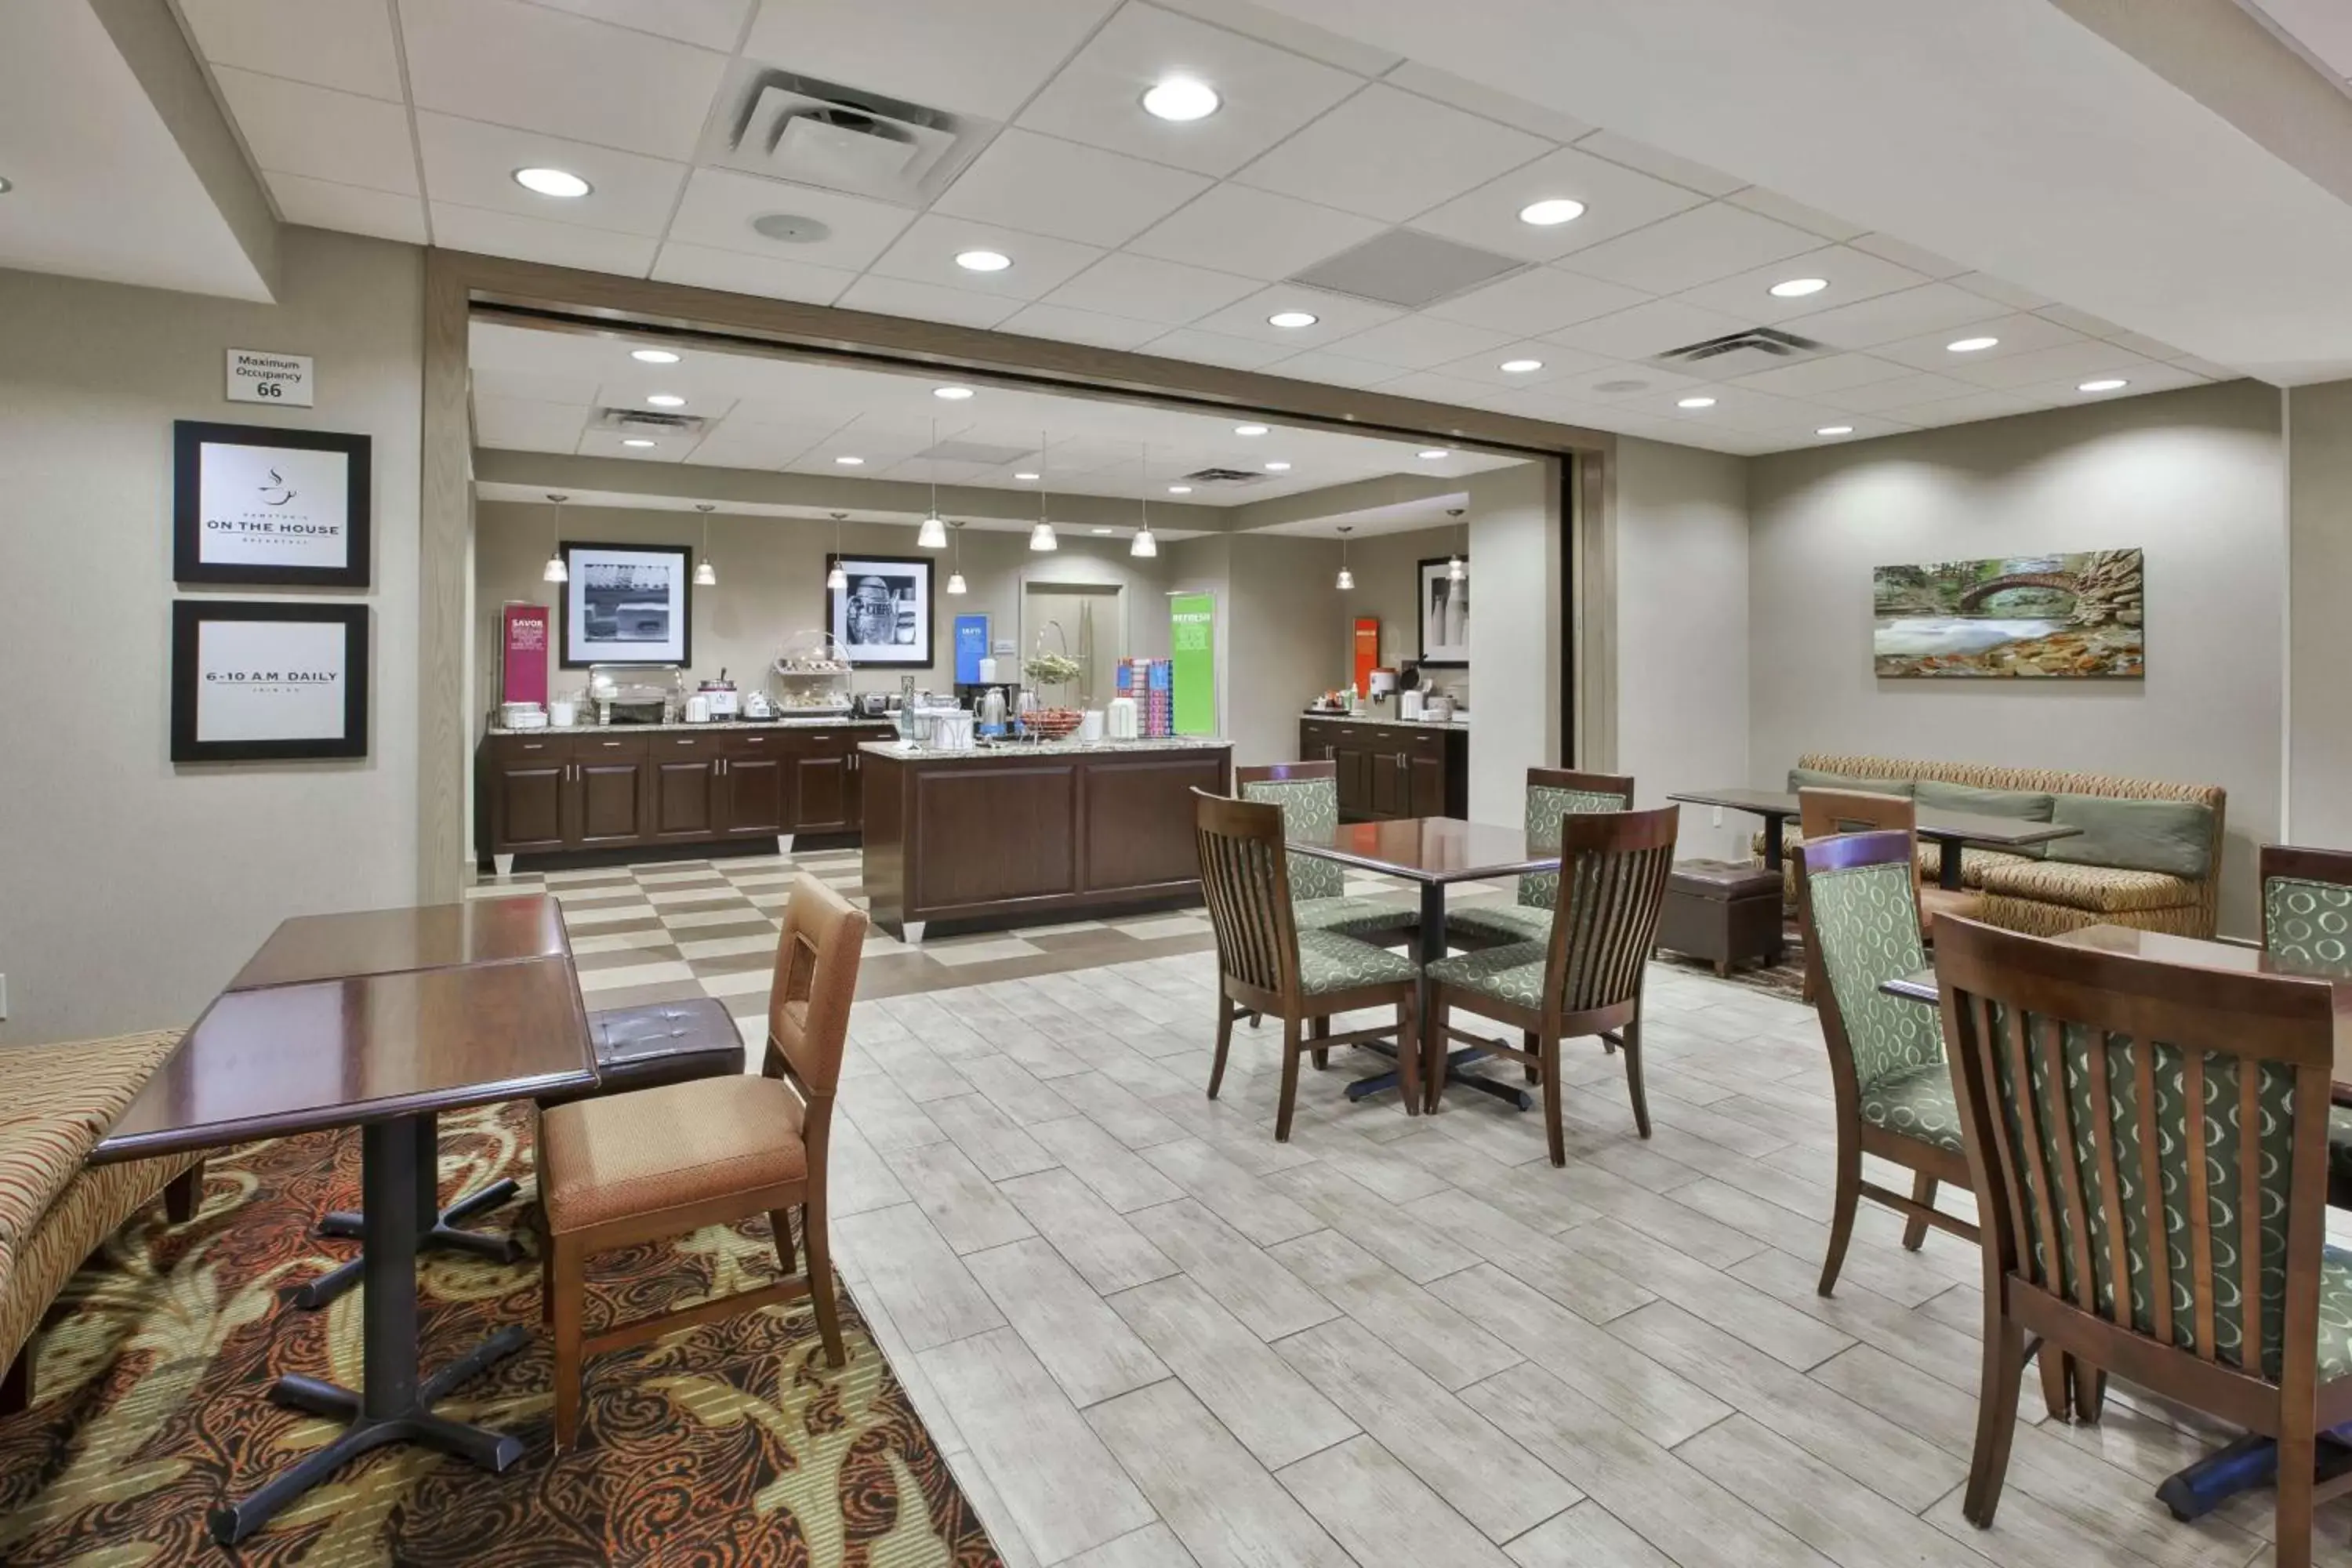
x=1517, y=536
x=135, y=887
x=2319, y=735
x=2197, y=479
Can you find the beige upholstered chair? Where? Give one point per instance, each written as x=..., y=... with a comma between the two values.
x=661, y=1162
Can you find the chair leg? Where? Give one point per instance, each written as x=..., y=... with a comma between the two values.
x=570, y=1297
x=1554, y=1134
x=546, y=1275
x=1224, y=1044
x=1290, y=1049
x=2004, y=1365
x=780, y=1222
x=2297, y=1456
x=1848, y=1198
x=1923, y=1192
x=822, y=1295
x=2090, y=1392
x=1432, y=1050
x=1532, y=1043
x=1632, y=1037
x=2057, y=1383
x=185, y=1195
x=1410, y=1052
x=1323, y=1054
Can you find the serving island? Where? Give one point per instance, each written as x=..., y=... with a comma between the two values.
x=1017, y=833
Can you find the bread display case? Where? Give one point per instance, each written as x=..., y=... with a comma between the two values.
x=810, y=677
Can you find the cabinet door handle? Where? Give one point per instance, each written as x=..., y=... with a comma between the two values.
x=610, y=743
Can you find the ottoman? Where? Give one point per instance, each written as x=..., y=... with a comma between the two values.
x=1723, y=910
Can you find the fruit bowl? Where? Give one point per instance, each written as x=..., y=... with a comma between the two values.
x=1053, y=723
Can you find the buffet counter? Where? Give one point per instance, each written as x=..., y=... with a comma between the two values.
x=1022, y=832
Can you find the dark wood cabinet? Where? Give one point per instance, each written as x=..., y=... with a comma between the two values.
x=608, y=800
x=1387, y=769
x=686, y=788
x=822, y=767
x=526, y=785
x=754, y=801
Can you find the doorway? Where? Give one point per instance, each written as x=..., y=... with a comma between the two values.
x=1085, y=621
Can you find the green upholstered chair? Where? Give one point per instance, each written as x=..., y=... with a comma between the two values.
x=1267, y=963
x=1308, y=793
x=1553, y=794
x=1857, y=905
x=2148, y=1143
x=1585, y=976
x=2307, y=920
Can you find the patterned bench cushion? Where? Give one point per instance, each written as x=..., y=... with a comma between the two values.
x=92, y=1205
x=1354, y=917
x=2103, y=889
x=1329, y=961
x=55, y=1103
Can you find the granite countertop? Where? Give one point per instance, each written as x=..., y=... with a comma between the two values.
x=829, y=721
x=1047, y=748
x=1457, y=723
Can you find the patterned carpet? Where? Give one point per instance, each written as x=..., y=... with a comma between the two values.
x=1785, y=979
x=728, y=1444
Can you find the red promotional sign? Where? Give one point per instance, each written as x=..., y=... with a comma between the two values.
x=523, y=663
x=1367, y=651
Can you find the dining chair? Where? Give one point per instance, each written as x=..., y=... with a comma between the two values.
x=1856, y=905
x=2307, y=918
x=1269, y=963
x=659, y=1163
x=2084, y=1080
x=1585, y=977
x=1308, y=793
x=1553, y=794
x=1826, y=813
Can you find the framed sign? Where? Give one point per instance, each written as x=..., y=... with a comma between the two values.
x=627, y=604
x=268, y=681
x=260, y=505
x=1444, y=612
x=884, y=617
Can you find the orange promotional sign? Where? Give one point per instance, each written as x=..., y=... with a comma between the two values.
x=1368, y=651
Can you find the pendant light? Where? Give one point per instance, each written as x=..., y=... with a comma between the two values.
x=837, y=579
x=934, y=533
x=1145, y=545
x=706, y=575
x=1347, y=578
x=555, y=572
x=955, y=578
x=1456, y=569
x=1042, y=536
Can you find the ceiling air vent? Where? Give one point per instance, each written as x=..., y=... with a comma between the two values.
x=1407, y=268
x=1737, y=354
x=813, y=132
x=1223, y=477
x=640, y=422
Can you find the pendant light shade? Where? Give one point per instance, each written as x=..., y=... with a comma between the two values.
x=1456, y=569
x=1042, y=537
x=555, y=572
x=1347, y=579
x=955, y=578
x=933, y=534
x=1145, y=546
x=706, y=575
x=955, y=584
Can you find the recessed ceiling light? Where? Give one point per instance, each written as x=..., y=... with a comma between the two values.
x=952, y=394
x=635, y=441
x=792, y=228
x=1181, y=98
x=1554, y=210
x=1520, y=366
x=653, y=356
x=1972, y=345
x=1291, y=319
x=1249, y=429
x=1102, y=530
x=1277, y=468
x=666, y=400
x=560, y=182
x=1024, y=476
x=2104, y=384
x=983, y=260
x=1798, y=288
x=1695, y=403
x=1180, y=490
x=1433, y=454
x=1834, y=430
x=850, y=462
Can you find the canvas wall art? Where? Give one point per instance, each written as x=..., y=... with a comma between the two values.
x=1444, y=615
x=2078, y=615
x=627, y=604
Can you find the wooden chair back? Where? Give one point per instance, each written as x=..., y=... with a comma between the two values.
x=1285, y=772
x=1245, y=880
x=1826, y=813
x=2084, y=1081
x=2307, y=906
x=1857, y=905
x=1555, y=793
x=817, y=958
x=1614, y=869
x=1308, y=793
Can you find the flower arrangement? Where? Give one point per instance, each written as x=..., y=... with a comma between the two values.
x=1045, y=668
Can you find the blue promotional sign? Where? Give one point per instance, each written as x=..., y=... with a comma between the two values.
x=971, y=648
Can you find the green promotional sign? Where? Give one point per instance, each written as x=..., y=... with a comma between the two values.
x=1193, y=648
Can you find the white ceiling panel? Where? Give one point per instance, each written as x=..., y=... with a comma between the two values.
x=1690, y=249
x=292, y=128
x=720, y=205
x=1534, y=118
x=1073, y=326
x=1334, y=370
x=1973, y=406
x=710, y=23
x=537, y=239
x=1810, y=377
x=322, y=203
x=614, y=444
x=1215, y=348
x=982, y=59
x=1390, y=154
x=2147, y=347
x=1044, y=185
x=2143, y=377
x=531, y=427
x=1485, y=366
x=1895, y=393
x=473, y=164
x=927, y=252
x=1432, y=387
x=1926, y=262
x=1300, y=37
x=493, y=345
x=1268, y=92
x=1255, y=233
x=925, y=302
x=2082, y=321
x=1853, y=275
x=2017, y=334
x=1617, y=200
x=1148, y=289
x=2079, y=361
x=2008, y=293
x=525, y=66
x=1796, y=214
x=1336, y=316
x=738, y=272
x=1646, y=329
x=1419, y=343
x=636, y=386
x=1891, y=318
x=344, y=44
x=1540, y=299
x=573, y=386
x=1621, y=383
x=1650, y=159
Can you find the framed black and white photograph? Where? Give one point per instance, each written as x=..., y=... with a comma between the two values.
x=627, y=604
x=884, y=617
x=263, y=506
x=1444, y=614
x=260, y=680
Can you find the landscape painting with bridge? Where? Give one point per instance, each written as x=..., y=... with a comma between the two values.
x=2034, y=617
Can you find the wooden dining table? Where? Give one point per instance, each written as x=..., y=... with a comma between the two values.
x=1949, y=829
x=1434, y=853
x=380, y=1021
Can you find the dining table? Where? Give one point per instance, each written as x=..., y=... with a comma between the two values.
x=1947, y=829
x=1434, y=853
x=380, y=1021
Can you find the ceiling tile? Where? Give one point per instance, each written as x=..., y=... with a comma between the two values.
x=1044, y=186
x=1479, y=99
x=1812, y=220
x=1662, y=164
x=1853, y=275
x=1067, y=325
x=1255, y=233
x=2205, y=368
x=1453, y=390
x=1808, y=378
x=925, y=253
x=536, y=240
x=473, y=164
x=1903, y=255
x=346, y=44
x=1621, y=383
x=1390, y=154
x=1617, y=201
x=2143, y=345
x=1336, y=316
x=1971, y=406
x=1896, y=392
x=711, y=24
x=529, y=426
x=1540, y=299
x=1268, y=92
x=1690, y=249
x=322, y=203
x=632, y=387
x=292, y=128
x=2007, y=293
x=1152, y=290
x=566, y=384
x=514, y=64
x=1738, y=409
x=1891, y=318
x=665, y=448
x=1418, y=343
x=1645, y=330
x=2143, y=377
x=2017, y=334
x=1272, y=26
x=1334, y=370
x=720, y=205
x=949, y=54
x=738, y=272
x=1213, y=347
x=493, y=345
x=736, y=444
x=1485, y=366
x=924, y=302
x=2082, y=360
